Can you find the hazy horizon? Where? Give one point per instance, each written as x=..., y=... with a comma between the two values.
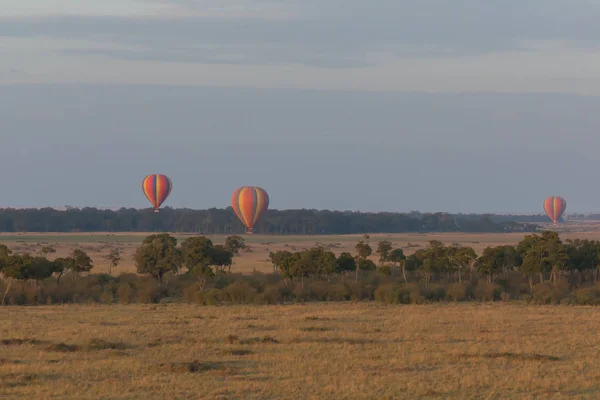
x=433, y=106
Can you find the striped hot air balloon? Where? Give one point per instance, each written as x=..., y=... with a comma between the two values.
x=157, y=188
x=249, y=203
x=555, y=207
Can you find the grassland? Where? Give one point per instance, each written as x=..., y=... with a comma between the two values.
x=347, y=350
x=325, y=351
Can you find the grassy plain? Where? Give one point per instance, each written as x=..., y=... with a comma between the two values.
x=98, y=245
x=313, y=351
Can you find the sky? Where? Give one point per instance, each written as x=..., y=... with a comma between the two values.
x=435, y=105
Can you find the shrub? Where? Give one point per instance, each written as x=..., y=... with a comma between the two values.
x=587, y=296
x=457, y=292
x=388, y=294
x=338, y=292
x=125, y=293
x=148, y=292
x=485, y=291
x=550, y=293
x=240, y=292
x=107, y=297
x=215, y=297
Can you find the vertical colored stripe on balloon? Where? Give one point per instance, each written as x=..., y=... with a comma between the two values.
x=236, y=204
x=149, y=188
x=248, y=205
x=258, y=197
x=242, y=205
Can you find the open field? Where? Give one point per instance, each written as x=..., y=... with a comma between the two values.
x=314, y=351
x=97, y=245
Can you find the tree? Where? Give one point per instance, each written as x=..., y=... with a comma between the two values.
x=285, y=262
x=304, y=265
x=555, y=255
x=158, y=255
x=25, y=267
x=5, y=252
x=345, y=263
x=367, y=265
x=583, y=255
x=45, y=250
x=384, y=249
x=63, y=265
x=490, y=262
x=397, y=258
x=433, y=258
x=363, y=250
x=235, y=243
x=461, y=257
x=113, y=258
x=196, y=251
x=278, y=258
x=542, y=254
x=221, y=258
x=78, y=261
x=317, y=261
x=82, y=262
x=200, y=255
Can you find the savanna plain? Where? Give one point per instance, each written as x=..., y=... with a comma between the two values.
x=342, y=350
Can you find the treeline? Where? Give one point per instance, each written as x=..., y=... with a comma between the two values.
x=541, y=269
x=224, y=221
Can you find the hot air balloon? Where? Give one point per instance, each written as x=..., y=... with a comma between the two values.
x=157, y=188
x=555, y=207
x=249, y=203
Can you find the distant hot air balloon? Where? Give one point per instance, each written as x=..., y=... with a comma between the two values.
x=157, y=188
x=249, y=203
x=555, y=207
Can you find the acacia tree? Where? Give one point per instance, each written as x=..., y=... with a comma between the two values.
x=200, y=256
x=26, y=268
x=158, y=255
x=345, y=263
x=583, y=255
x=221, y=257
x=285, y=262
x=363, y=251
x=318, y=261
x=113, y=258
x=433, y=258
x=45, y=250
x=5, y=253
x=235, y=243
x=542, y=254
x=82, y=262
x=397, y=258
x=461, y=257
x=384, y=249
x=78, y=261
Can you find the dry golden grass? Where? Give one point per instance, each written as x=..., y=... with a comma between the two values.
x=315, y=351
x=98, y=245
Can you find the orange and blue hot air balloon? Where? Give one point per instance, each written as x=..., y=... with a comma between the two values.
x=249, y=203
x=555, y=207
x=157, y=188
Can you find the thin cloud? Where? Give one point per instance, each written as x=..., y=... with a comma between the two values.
x=331, y=33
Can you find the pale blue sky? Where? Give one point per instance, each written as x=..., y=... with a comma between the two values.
x=429, y=105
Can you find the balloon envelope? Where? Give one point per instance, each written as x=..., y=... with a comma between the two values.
x=555, y=207
x=249, y=203
x=157, y=188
